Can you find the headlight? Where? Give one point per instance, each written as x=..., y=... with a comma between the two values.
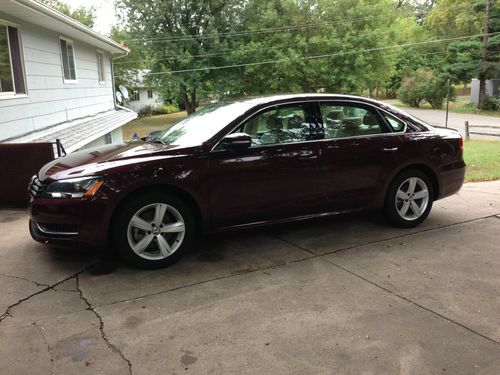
x=73, y=188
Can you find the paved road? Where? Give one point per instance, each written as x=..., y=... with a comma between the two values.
x=455, y=120
x=344, y=295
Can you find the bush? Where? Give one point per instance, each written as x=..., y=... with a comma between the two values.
x=412, y=90
x=166, y=109
x=424, y=85
x=492, y=103
x=146, y=111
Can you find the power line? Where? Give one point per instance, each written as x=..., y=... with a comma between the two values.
x=252, y=32
x=318, y=56
x=227, y=52
x=256, y=31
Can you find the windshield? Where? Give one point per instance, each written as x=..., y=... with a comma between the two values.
x=202, y=125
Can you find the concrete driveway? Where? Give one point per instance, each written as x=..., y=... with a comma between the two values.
x=344, y=295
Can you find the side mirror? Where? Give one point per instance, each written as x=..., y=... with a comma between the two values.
x=236, y=142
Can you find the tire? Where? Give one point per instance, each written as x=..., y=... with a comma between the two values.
x=159, y=241
x=406, y=208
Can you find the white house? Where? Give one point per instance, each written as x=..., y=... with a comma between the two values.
x=56, y=79
x=141, y=95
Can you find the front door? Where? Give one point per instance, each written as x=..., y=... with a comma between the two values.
x=273, y=179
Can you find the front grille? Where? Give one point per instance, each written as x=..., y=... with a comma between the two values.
x=36, y=187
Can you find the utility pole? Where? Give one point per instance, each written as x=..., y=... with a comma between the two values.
x=448, y=82
x=483, y=69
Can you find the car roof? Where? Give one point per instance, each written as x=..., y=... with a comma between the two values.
x=267, y=99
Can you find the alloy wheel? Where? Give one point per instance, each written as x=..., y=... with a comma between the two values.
x=412, y=198
x=156, y=231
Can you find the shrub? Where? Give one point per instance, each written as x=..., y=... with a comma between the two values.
x=412, y=88
x=166, y=109
x=436, y=90
x=424, y=85
x=146, y=111
x=492, y=103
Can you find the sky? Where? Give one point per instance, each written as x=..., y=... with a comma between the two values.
x=105, y=13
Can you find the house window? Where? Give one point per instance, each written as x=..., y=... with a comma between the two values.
x=135, y=97
x=108, y=137
x=11, y=66
x=150, y=94
x=100, y=67
x=68, y=59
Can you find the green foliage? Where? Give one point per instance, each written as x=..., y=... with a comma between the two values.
x=146, y=111
x=436, y=90
x=424, y=85
x=342, y=46
x=462, y=60
x=412, y=91
x=450, y=18
x=81, y=14
x=166, y=109
x=492, y=103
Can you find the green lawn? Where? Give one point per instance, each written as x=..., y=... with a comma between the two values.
x=143, y=126
x=482, y=159
x=460, y=105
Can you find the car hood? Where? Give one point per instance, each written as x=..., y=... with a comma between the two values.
x=99, y=160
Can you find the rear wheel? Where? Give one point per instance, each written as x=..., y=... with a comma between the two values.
x=152, y=231
x=409, y=199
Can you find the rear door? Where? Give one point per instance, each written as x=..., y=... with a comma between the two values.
x=359, y=151
x=276, y=177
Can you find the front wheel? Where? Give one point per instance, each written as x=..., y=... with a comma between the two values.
x=409, y=199
x=153, y=230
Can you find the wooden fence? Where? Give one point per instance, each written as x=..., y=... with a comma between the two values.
x=468, y=131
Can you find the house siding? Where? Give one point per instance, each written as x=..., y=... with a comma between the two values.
x=49, y=100
x=137, y=105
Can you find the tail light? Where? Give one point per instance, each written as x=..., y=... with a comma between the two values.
x=461, y=143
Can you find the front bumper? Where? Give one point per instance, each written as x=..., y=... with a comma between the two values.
x=69, y=222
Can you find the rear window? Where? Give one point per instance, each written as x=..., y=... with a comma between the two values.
x=394, y=123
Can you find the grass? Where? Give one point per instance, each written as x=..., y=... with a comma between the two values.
x=460, y=105
x=143, y=126
x=482, y=159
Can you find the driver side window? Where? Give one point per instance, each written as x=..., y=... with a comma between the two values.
x=277, y=126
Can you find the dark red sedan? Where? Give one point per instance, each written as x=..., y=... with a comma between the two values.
x=245, y=163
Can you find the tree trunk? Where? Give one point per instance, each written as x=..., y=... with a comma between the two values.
x=482, y=72
x=482, y=90
x=193, y=100
x=189, y=104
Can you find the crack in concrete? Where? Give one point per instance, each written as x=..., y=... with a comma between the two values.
x=22, y=278
x=272, y=266
x=400, y=296
x=48, y=287
x=395, y=292
x=49, y=348
x=312, y=255
x=110, y=345
x=385, y=239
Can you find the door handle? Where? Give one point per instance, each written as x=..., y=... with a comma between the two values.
x=390, y=149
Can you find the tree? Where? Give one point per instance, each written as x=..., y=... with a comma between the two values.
x=462, y=58
x=182, y=38
x=452, y=18
x=81, y=14
x=490, y=51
